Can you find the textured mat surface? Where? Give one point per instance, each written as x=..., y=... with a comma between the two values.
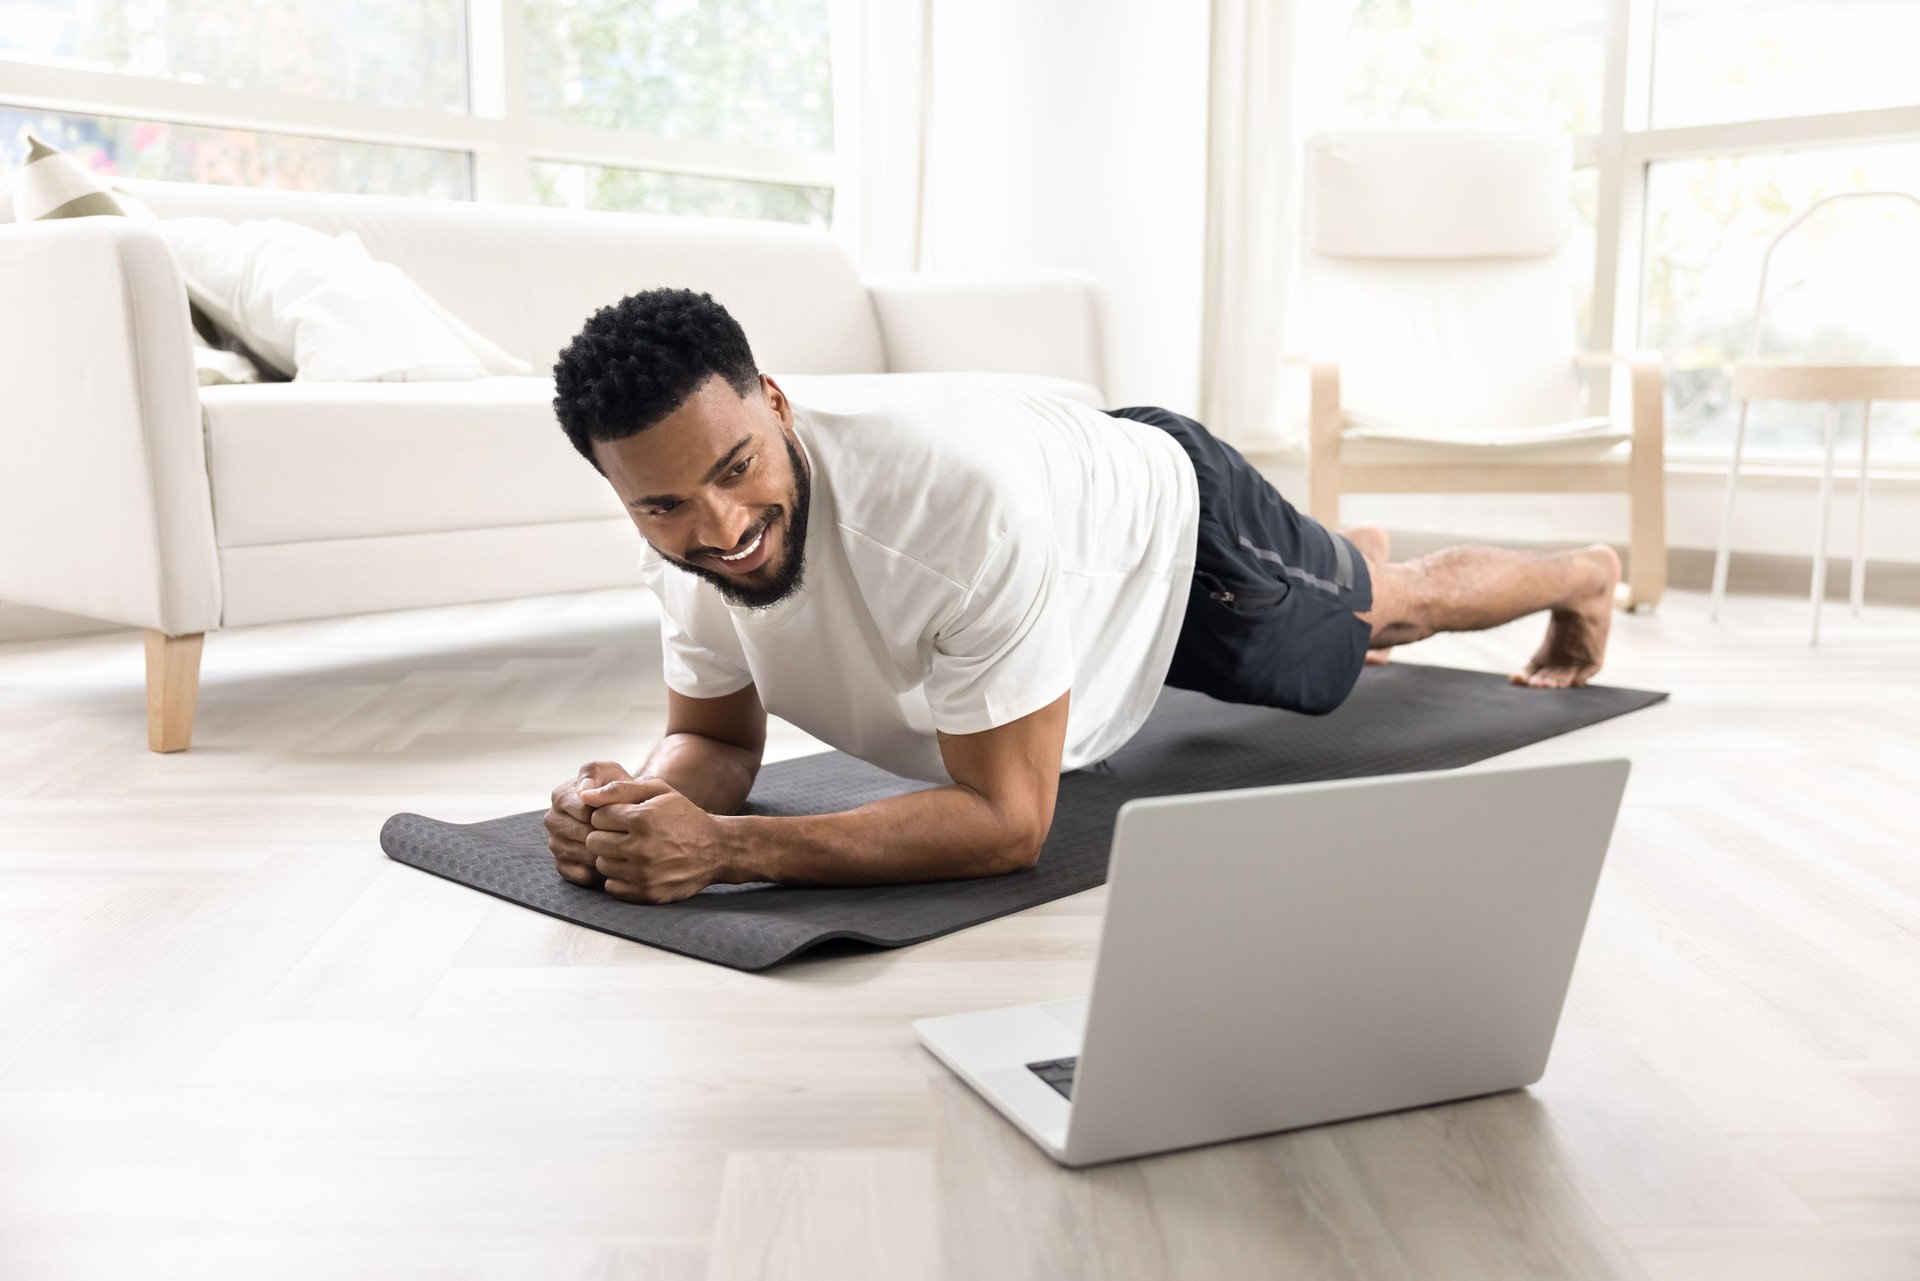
x=1401, y=717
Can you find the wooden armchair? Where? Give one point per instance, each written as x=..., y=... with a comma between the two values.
x=1442, y=331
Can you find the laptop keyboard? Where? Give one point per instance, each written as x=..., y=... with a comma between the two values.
x=1056, y=1072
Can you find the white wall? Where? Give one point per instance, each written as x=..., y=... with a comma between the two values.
x=1073, y=133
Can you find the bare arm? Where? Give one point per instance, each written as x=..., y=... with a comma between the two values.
x=992, y=819
x=653, y=845
x=711, y=750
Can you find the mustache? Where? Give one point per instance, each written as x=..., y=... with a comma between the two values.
x=765, y=523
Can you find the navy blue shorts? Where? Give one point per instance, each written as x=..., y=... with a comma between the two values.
x=1270, y=615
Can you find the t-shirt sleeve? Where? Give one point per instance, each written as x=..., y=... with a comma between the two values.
x=699, y=652
x=1006, y=650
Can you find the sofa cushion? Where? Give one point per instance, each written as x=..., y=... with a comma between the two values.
x=294, y=462
x=528, y=277
x=52, y=184
x=318, y=308
x=302, y=462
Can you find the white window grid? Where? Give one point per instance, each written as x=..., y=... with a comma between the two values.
x=1627, y=145
x=497, y=131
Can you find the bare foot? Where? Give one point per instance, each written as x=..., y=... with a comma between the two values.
x=1576, y=641
x=1372, y=540
x=1374, y=543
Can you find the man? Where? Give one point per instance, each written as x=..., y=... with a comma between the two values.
x=975, y=587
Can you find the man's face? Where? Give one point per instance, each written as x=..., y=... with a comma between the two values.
x=718, y=488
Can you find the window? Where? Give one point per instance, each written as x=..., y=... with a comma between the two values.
x=646, y=191
x=752, y=72
x=411, y=54
x=715, y=107
x=1722, y=60
x=1728, y=118
x=1407, y=61
x=1841, y=289
x=244, y=157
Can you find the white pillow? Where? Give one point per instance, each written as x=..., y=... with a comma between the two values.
x=319, y=309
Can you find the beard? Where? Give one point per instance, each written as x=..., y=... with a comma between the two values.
x=788, y=577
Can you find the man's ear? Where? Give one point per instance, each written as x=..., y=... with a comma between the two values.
x=777, y=400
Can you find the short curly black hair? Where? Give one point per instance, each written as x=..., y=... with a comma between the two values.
x=637, y=361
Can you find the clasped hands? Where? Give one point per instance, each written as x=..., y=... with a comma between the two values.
x=638, y=839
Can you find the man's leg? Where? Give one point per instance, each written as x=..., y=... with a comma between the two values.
x=1465, y=589
x=1374, y=544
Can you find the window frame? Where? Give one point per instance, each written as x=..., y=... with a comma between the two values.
x=498, y=134
x=1627, y=146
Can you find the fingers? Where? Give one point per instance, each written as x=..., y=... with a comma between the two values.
x=566, y=800
x=632, y=892
x=605, y=843
x=566, y=841
x=594, y=773
x=574, y=863
x=579, y=874
x=562, y=825
x=627, y=791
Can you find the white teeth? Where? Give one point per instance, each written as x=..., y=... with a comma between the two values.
x=748, y=550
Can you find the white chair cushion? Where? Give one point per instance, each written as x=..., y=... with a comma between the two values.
x=299, y=462
x=1448, y=348
x=1583, y=440
x=1438, y=191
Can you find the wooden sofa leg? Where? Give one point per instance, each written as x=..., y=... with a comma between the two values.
x=173, y=687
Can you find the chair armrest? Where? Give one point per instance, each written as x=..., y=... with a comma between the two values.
x=1647, y=379
x=1028, y=323
x=104, y=504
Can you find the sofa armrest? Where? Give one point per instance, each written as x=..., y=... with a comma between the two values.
x=1027, y=323
x=104, y=506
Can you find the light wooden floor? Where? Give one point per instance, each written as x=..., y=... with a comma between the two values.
x=238, y=1042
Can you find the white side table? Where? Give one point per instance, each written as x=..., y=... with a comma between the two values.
x=1833, y=384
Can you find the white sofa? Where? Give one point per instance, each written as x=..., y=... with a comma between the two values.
x=130, y=494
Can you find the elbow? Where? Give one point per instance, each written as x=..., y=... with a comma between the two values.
x=1020, y=851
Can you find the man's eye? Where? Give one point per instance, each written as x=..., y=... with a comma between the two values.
x=661, y=509
x=740, y=467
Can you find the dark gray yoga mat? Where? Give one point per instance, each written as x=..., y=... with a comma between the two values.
x=1400, y=718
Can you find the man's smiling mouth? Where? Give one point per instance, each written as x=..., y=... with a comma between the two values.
x=746, y=551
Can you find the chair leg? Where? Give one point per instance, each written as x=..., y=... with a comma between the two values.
x=173, y=688
x=1820, y=535
x=1857, y=591
x=1647, y=468
x=1323, y=444
x=1723, y=545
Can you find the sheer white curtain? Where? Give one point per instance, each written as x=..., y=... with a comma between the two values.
x=1253, y=162
x=881, y=95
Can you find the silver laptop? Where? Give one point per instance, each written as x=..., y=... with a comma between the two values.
x=1287, y=956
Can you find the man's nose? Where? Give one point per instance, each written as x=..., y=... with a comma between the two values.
x=722, y=526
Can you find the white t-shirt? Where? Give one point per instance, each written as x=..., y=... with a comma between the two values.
x=972, y=554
